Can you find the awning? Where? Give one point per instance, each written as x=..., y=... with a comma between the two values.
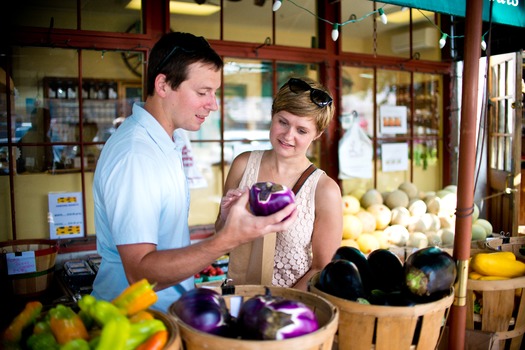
x=508, y=12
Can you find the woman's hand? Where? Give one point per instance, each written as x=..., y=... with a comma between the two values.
x=228, y=200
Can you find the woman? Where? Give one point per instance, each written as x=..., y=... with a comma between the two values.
x=301, y=111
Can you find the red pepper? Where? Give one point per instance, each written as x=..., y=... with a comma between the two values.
x=155, y=342
x=66, y=325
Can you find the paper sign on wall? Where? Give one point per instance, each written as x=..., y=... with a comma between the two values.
x=393, y=119
x=394, y=157
x=66, y=215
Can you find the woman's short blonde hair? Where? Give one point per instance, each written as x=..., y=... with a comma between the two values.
x=300, y=104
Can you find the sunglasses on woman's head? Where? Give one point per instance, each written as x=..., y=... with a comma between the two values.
x=319, y=97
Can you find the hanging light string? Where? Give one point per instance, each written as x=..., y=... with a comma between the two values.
x=335, y=26
x=444, y=36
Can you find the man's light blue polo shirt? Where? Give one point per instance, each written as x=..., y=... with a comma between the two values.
x=141, y=196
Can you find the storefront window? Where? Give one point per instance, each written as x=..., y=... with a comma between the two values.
x=98, y=15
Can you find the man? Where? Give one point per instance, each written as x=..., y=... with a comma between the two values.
x=140, y=192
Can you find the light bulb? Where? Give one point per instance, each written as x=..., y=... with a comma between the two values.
x=382, y=16
x=277, y=5
x=335, y=32
x=443, y=41
x=483, y=44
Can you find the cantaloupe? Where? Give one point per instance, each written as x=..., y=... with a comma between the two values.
x=352, y=226
x=486, y=224
x=396, y=198
x=351, y=204
x=368, y=220
x=367, y=243
x=382, y=214
x=410, y=189
x=372, y=196
x=433, y=203
x=400, y=216
x=478, y=233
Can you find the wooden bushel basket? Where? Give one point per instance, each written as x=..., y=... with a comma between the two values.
x=31, y=283
x=322, y=339
x=503, y=301
x=174, y=341
x=365, y=327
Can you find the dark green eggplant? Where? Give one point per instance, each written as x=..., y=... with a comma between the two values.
x=341, y=278
x=428, y=271
x=356, y=256
x=386, y=269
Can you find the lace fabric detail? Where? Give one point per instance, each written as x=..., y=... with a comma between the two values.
x=293, y=248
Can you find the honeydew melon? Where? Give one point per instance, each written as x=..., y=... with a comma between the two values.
x=368, y=220
x=351, y=204
x=352, y=226
x=382, y=214
x=367, y=243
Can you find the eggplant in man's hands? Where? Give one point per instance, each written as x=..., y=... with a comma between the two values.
x=267, y=198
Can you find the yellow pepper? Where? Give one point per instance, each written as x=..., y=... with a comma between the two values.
x=137, y=297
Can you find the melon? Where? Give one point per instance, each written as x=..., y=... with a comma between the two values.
x=351, y=204
x=397, y=235
x=372, y=196
x=368, y=220
x=367, y=243
x=433, y=203
x=417, y=207
x=478, y=233
x=486, y=224
x=358, y=192
x=417, y=240
x=451, y=188
x=349, y=243
x=443, y=193
x=448, y=204
x=448, y=222
x=410, y=189
x=382, y=214
x=400, y=216
x=352, y=226
x=475, y=213
x=382, y=237
x=447, y=237
x=434, y=238
x=396, y=198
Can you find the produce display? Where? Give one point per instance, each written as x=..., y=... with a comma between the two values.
x=382, y=279
x=495, y=266
x=124, y=323
x=267, y=198
x=405, y=217
x=261, y=317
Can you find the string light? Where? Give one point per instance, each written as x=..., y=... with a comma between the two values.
x=276, y=5
x=483, y=43
x=382, y=16
x=335, y=32
x=443, y=40
x=335, y=26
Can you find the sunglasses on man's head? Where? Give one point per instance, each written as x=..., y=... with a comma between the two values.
x=202, y=42
x=319, y=97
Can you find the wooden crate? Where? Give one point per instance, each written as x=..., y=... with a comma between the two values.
x=322, y=339
x=365, y=327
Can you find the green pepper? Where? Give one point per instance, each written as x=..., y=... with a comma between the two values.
x=76, y=344
x=86, y=319
x=114, y=334
x=42, y=327
x=101, y=311
x=42, y=341
x=141, y=331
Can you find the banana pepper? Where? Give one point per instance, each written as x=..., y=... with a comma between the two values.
x=137, y=297
x=141, y=331
x=66, y=325
x=25, y=318
x=101, y=311
x=115, y=334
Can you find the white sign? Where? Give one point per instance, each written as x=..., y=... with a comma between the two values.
x=20, y=262
x=394, y=157
x=393, y=119
x=66, y=215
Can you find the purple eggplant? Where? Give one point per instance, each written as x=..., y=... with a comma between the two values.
x=275, y=318
x=267, y=198
x=205, y=310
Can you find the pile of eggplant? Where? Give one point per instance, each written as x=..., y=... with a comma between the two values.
x=262, y=317
x=381, y=278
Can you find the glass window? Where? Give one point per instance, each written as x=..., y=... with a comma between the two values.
x=199, y=19
x=296, y=24
x=247, y=21
x=97, y=15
